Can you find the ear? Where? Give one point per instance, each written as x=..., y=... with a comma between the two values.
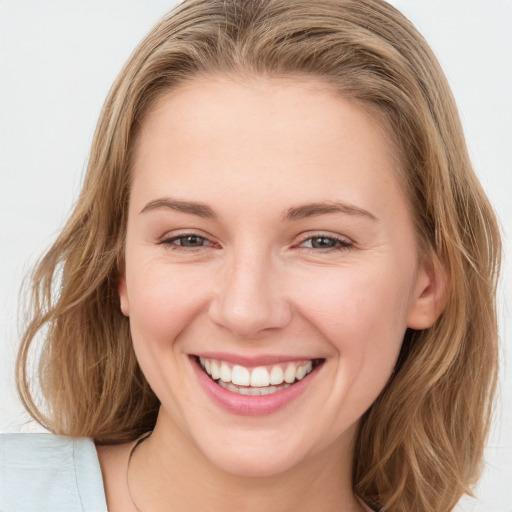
x=430, y=295
x=123, y=293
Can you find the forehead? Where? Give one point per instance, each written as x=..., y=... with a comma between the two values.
x=214, y=135
x=232, y=98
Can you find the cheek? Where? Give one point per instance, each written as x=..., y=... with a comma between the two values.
x=163, y=301
x=163, y=304
x=363, y=315
x=352, y=303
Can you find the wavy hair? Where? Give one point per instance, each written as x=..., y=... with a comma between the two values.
x=420, y=445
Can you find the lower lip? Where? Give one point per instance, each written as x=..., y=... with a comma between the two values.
x=244, y=405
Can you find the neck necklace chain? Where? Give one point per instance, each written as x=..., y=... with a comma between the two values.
x=142, y=439
x=130, y=455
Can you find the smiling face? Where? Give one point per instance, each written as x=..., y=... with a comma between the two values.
x=269, y=244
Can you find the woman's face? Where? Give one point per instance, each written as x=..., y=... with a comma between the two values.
x=268, y=235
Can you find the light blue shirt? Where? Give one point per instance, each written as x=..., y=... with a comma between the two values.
x=48, y=473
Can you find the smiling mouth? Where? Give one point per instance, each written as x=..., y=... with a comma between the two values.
x=257, y=381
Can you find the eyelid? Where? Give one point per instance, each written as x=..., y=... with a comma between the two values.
x=344, y=242
x=168, y=239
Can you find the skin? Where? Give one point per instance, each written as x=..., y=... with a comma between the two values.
x=263, y=283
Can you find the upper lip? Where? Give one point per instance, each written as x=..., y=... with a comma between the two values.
x=252, y=361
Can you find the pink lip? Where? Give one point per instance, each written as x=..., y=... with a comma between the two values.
x=244, y=405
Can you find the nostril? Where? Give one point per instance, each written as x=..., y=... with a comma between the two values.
x=249, y=319
x=249, y=297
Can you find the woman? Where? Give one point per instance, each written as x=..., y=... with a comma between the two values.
x=277, y=287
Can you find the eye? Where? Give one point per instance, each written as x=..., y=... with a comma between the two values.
x=186, y=241
x=189, y=241
x=324, y=242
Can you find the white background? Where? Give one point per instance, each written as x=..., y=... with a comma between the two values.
x=57, y=61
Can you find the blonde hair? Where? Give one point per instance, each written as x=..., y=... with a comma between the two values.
x=421, y=443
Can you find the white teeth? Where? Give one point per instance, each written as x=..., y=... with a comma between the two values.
x=260, y=377
x=240, y=375
x=225, y=373
x=276, y=375
x=258, y=381
x=268, y=390
x=301, y=372
x=289, y=373
x=251, y=391
x=215, y=370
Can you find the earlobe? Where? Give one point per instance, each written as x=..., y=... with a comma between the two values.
x=430, y=296
x=123, y=294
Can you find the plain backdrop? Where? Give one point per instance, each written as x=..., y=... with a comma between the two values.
x=58, y=59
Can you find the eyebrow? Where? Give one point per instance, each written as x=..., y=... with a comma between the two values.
x=194, y=208
x=294, y=213
x=322, y=208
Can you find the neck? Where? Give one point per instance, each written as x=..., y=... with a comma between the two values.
x=166, y=468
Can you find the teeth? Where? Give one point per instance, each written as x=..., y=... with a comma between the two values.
x=289, y=374
x=225, y=373
x=215, y=370
x=255, y=381
x=260, y=377
x=251, y=391
x=276, y=375
x=240, y=375
x=302, y=371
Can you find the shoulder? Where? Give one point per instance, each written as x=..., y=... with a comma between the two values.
x=48, y=472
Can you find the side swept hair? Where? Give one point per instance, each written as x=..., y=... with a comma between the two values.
x=421, y=443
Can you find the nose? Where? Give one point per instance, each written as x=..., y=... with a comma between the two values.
x=250, y=300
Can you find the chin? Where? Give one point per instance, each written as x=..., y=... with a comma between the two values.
x=251, y=465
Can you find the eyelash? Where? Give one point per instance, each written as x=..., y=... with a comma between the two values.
x=340, y=244
x=170, y=243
